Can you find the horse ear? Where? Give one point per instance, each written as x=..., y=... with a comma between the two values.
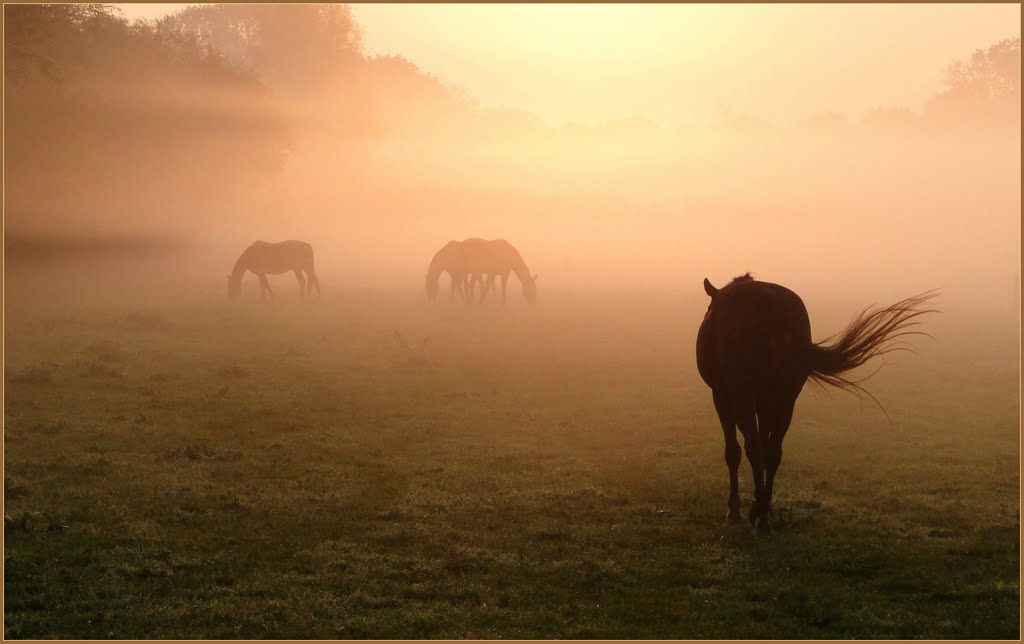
x=709, y=289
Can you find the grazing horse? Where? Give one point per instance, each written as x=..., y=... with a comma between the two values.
x=263, y=258
x=493, y=258
x=468, y=261
x=754, y=350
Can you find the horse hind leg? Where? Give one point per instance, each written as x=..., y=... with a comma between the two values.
x=458, y=286
x=753, y=445
x=311, y=279
x=489, y=287
x=486, y=285
x=302, y=282
x=774, y=420
x=733, y=455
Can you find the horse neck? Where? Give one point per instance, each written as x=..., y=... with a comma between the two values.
x=440, y=262
x=520, y=269
x=241, y=266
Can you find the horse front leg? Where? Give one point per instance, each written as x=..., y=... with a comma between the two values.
x=504, y=285
x=302, y=282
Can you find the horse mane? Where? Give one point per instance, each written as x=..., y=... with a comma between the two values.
x=241, y=265
x=519, y=266
x=739, y=279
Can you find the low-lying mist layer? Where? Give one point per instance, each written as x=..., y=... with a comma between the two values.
x=223, y=124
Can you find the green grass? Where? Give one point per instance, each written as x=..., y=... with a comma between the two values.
x=215, y=471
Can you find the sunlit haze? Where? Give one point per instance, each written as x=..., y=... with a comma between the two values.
x=677, y=63
x=827, y=145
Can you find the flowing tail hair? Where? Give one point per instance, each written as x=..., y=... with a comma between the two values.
x=870, y=334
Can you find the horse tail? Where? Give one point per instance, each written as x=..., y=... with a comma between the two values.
x=870, y=334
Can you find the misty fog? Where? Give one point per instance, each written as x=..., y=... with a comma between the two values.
x=187, y=457
x=208, y=128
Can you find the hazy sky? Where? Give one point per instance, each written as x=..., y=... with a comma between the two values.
x=680, y=63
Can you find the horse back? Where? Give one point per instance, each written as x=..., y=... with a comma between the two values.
x=488, y=256
x=279, y=257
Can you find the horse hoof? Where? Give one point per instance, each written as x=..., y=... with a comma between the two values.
x=734, y=516
x=764, y=525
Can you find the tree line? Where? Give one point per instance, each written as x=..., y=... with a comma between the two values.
x=110, y=120
x=189, y=112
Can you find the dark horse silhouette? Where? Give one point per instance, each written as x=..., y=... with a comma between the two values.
x=264, y=258
x=754, y=350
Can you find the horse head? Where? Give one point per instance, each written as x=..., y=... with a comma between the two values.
x=234, y=288
x=530, y=289
x=433, y=286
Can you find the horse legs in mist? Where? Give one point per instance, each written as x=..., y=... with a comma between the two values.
x=477, y=279
x=459, y=285
x=302, y=282
x=265, y=287
x=733, y=455
x=489, y=287
x=456, y=283
x=312, y=282
x=485, y=286
x=504, y=285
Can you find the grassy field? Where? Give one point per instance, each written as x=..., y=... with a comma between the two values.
x=187, y=469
